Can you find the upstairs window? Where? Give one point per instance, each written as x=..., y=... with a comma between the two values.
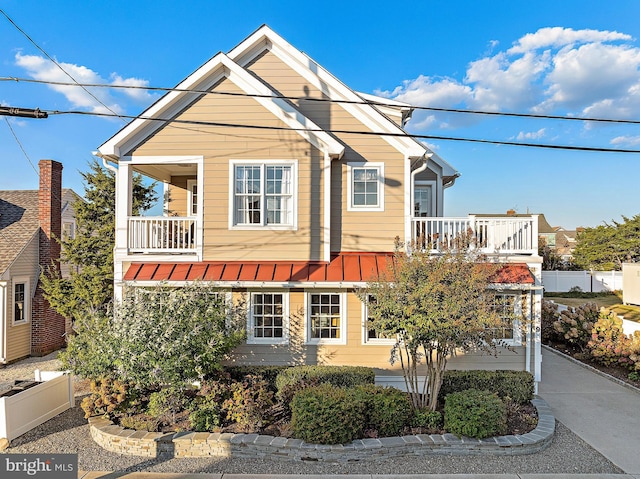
x=365, y=189
x=263, y=194
x=192, y=198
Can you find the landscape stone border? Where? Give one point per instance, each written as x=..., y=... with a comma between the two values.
x=203, y=444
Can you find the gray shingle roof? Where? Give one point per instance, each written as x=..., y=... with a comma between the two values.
x=18, y=223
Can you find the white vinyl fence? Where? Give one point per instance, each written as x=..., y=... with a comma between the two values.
x=587, y=281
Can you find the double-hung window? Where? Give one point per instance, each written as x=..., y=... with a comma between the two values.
x=370, y=335
x=365, y=186
x=21, y=299
x=268, y=321
x=325, y=318
x=509, y=307
x=264, y=194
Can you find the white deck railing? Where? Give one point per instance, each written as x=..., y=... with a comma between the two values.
x=161, y=234
x=498, y=235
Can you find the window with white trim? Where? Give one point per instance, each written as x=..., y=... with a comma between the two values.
x=68, y=230
x=370, y=335
x=264, y=193
x=21, y=304
x=325, y=321
x=192, y=198
x=268, y=321
x=509, y=308
x=365, y=186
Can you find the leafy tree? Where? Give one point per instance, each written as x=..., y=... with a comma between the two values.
x=90, y=253
x=434, y=306
x=607, y=246
x=157, y=337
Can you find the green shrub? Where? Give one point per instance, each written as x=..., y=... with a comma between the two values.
x=341, y=376
x=140, y=422
x=268, y=373
x=427, y=419
x=206, y=417
x=388, y=410
x=250, y=403
x=474, y=413
x=165, y=404
x=327, y=414
x=517, y=385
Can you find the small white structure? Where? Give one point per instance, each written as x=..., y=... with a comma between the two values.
x=631, y=281
x=24, y=410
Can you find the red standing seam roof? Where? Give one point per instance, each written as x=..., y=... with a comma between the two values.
x=343, y=267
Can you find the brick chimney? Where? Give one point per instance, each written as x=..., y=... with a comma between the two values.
x=511, y=212
x=47, y=326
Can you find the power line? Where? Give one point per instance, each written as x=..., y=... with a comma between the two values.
x=334, y=131
x=327, y=100
x=75, y=82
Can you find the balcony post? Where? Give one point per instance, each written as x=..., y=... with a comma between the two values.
x=123, y=211
x=534, y=234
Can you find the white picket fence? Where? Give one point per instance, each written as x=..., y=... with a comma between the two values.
x=587, y=281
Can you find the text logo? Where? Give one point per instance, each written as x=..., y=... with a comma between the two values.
x=40, y=466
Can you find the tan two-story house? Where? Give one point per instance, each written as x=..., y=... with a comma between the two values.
x=288, y=187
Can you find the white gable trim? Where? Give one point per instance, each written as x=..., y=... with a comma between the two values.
x=216, y=69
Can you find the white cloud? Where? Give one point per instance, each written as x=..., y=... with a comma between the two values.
x=626, y=140
x=135, y=93
x=99, y=100
x=553, y=70
x=531, y=135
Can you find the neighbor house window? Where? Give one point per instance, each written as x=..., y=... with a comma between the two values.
x=509, y=308
x=20, y=302
x=68, y=230
x=365, y=189
x=325, y=318
x=263, y=194
x=371, y=336
x=268, y=318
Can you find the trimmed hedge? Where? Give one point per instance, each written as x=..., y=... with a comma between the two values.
x=340, y=376
x=327, y=414
x=517, y=385
x=474, y=413
x=387, y=409
x=268, y=373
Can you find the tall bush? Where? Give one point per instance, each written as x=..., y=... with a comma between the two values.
x=574, y=324
x=162, y=336
x=608, y=344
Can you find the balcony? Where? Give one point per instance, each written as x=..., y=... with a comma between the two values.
x=161, y=235
x=488, y=235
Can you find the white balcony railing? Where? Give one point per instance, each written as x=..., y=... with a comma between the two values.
x=162, y=235
x=489, y=235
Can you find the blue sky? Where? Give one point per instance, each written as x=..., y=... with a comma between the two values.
x=566, y=58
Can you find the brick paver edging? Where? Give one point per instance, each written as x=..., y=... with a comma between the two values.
x=202, y=444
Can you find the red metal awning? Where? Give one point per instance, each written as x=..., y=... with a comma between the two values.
x=343, y=267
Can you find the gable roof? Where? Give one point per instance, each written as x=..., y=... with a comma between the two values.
x=18, y=223
x=265, y=39
x=207, y=76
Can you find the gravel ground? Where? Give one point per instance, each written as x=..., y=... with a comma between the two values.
x=69, y=433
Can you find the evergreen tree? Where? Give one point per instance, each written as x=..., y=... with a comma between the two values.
x=90, y=252
x=607, y=246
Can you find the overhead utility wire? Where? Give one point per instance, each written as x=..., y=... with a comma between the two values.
x=75, y=82
x=328, y=100
x=310, y=130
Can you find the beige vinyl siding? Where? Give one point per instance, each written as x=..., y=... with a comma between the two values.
x=350, y=231
x=355, y=352
x=178, y=195
x=219, y=145
x=19, y=336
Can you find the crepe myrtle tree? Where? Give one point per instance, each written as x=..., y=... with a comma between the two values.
x=157, y=337
x=435, y=306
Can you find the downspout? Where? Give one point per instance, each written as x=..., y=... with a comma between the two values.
x=3, y=321
x=417, y=171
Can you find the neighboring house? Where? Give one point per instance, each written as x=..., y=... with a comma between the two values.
x=29, y=222
x=295, y=201
x=565, y=243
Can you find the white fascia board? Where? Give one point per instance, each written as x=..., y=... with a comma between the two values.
x=166, y=107
x=205, y=77
x=447, y=169
x=315, y=74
